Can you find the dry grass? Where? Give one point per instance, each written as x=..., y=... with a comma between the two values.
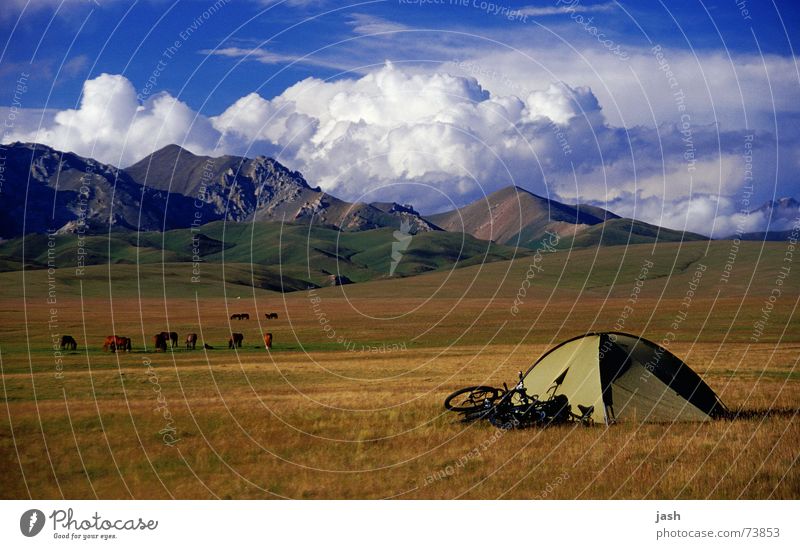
x=314, y=420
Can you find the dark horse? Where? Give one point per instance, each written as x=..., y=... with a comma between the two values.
x=171, y=337
x=68, y=342
x=191, y=341
x=271, y=315
x=126, y=344
x=235, y=340
x=160, y=342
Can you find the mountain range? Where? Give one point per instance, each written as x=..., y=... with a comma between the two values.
x=261, y=189
x=516, y=217
x=173, y=188
x=170, y=189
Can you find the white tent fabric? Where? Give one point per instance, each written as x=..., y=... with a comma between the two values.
x=625, y=378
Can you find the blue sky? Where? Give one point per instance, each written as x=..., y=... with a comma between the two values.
x=507, y=87
x=125, y=38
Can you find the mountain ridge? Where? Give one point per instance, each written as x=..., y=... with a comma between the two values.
x=514, y=216
x=172, y=188
x=260, y=189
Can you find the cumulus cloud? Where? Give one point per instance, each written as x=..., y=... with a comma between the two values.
x=389, y=126
x=112, y=126
x=380, y=135
x=737, y=90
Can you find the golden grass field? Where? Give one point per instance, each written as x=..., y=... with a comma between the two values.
x=315, y=418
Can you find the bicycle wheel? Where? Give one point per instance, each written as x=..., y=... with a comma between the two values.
x=471, y=399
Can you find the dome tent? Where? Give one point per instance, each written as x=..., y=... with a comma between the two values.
x=625, y=378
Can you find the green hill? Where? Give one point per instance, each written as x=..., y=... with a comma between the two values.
x=623, y=231
x=279, y=256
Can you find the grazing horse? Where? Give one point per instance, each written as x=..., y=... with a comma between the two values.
x=244, y=316
x=271, y=315
x=268, y=340
x=207, y=347
x=235, y=340
x=113, y=343
x=109, y=343
x=191, y=341
x=160, y=342
x=236, y=316
x=68, y=342
x=172, y=337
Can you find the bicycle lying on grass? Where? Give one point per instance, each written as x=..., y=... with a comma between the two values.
x=515, y=408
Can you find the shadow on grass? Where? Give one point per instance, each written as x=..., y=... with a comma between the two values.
x=762, y=413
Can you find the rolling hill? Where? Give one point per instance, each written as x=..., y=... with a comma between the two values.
x=623, y=232
x=279, y=256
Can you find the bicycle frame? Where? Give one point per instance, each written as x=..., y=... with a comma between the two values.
x=502, y=411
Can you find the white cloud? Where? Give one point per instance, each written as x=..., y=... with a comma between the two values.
x=713, y=215
x=266, y=57
x=111, y=126
x=737, y=91
x=573, y=6
x=392, y=129
x=370, y=24
x=254, y=54
x=76, y=65
x=560, y=103
x=393, y=126
x=728, y=87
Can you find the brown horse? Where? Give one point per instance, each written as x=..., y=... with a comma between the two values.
x=235, y=340
x=113, y=343
x=68, y=342
x=236, y=316
x=160, y=342
x=268, y=340
x=191, y=341
x=271, y=315
x=109, y=343
x=244, y=316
